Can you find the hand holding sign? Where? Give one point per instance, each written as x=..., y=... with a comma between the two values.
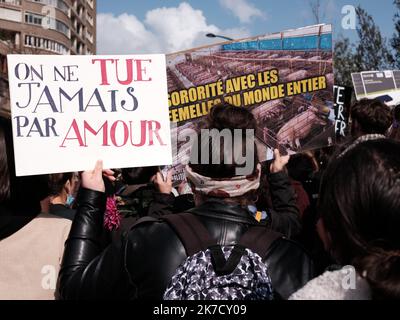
x=279, y=162
x=93, y=179
x=163, y=186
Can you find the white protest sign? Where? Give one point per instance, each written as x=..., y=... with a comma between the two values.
x=69, y=111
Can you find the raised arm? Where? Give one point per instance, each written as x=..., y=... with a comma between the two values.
x=285, y=215
x=88, y=270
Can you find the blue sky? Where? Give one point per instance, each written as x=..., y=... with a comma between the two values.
x=171, y=25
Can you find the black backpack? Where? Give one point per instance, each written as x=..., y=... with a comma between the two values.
x=215, y=272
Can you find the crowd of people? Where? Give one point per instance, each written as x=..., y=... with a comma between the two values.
x=323, y=223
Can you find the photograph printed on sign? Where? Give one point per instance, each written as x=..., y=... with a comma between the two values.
x=285, y=79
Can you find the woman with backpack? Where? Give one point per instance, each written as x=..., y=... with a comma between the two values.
x=218, y=240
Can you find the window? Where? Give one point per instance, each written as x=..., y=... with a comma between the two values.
x=33, y=18
x=28, y=41
x=62, y=27
x=49, y=22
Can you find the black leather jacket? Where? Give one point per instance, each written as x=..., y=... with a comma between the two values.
x=142, y=263
x=283, y=217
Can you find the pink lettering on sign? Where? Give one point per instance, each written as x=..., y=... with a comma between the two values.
x=135, y=70
x=118, y=134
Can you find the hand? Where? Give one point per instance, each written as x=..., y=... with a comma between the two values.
x=279, y=162
x=182, y=187
x=161, y=185
x=94, y=179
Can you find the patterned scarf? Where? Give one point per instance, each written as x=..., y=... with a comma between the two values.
x=367, y=137
x=224, y=187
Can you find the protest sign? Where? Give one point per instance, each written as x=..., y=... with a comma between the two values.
x=342, y=102
x=69, y=111
x=285, y=79
x=383, y=85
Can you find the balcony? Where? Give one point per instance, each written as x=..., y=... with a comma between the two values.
x=58, y=4
x=10, y=14
x=11, y=2
x=89, y=37
x=89, y=19
x=90, y=3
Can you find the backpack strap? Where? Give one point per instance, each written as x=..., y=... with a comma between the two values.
x=191, y=231
x=221, y=265
x=195, y=237
x=141, y=221
x=259, y=240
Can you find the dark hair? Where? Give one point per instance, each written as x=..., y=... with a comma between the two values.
x=224, y=117
x=396, y=113
x=301, y=167
x=372, y=116
x=395, y=132
x=4, y=175
x=142, y=175
x=57, y=182
x=360, y=208
x=20, y=193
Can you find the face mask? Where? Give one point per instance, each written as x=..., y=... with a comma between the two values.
x=70, y=200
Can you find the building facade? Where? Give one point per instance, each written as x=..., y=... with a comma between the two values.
x=44, y=27
x=52, y=26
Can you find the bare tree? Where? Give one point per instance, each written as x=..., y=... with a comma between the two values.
x=316, y=10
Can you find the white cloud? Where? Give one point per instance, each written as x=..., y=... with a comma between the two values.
x=242, y=9
x=179, y=27
x=124, y=34
x=164, y=30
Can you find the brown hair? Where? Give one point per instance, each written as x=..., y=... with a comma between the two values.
x=225, y=117
x=371, y=116
x=57, y=182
